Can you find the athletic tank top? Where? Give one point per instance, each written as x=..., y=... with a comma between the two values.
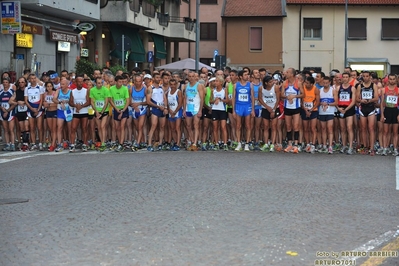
x=391, y=97
x=292, y=90
x=256, y=94
x=34, y=95
x=243, y=94
x=79, y=97
x=193, y=98
x=64, y=97
x=173, y=100
x=5, y=96
x=207, y=97
x=139, y=96
x=221, y=106
x=327, y=97
x=19, y=96
x=367, y=93
x=269, y=97
x=48, y=98
x=157, y=95
x=344, y=96
x=310, y=98
x=230, y=88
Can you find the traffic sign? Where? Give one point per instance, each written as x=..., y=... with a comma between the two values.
x=10, y=17
x=215, y=53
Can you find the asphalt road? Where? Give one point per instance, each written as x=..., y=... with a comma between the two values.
x=196, y=208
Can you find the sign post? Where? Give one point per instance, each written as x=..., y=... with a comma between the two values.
x=10, y=17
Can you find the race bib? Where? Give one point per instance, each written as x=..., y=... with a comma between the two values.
x=119, y=103
x=243, y=97
x=81, y=103
x=34, y=98
x=49, y=99
x=191, y=100
x=22, y=108
x=308, y=105
x=392, y=99
x=5, y=105
x=100, y=104
x=230, y=96
x=367, y=95
x=344, y=97
x=172, y=104
x=268, y=99
x=256, y=102
x=160, y=104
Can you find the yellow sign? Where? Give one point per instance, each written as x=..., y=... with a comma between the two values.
x=24, y=40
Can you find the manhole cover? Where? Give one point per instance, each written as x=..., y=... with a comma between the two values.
x=12, y=201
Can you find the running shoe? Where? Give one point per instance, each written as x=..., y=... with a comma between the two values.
x=150, y=148
x=194, y=147
x=295, y=149
x=66, y=144
x=203, y=146
x=51, y=148
x=59, y=148
x=288, y=149
x=160, y=147
x=102, y=147
x=278, y=147
x=343, y=149
x=246, y=147
x=265, y=148
x=33, y=147
x=395, y=152
x=215, y=147
x=271, y=148
x=257, y=146
x=350, y=151
x=330, y=150
x=308, y=148
x=312, y=149
x=372, y=152
x=84, y=147
x=239, y=147
x=119, y=148
x=40, y=146
x=12, y=147
x=225, y=148
x=72, y=148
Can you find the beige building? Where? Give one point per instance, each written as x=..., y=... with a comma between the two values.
x=314, y=35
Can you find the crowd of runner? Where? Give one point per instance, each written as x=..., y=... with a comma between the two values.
x=291, y=111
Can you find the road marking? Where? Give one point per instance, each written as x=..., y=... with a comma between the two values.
x=375, y=261
x=397, y=173
x=376, y=242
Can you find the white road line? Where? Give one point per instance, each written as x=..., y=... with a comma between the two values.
x=24, y=155
x=397, y=173
x=376, y=242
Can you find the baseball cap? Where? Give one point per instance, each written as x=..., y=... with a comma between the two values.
x=147, y=76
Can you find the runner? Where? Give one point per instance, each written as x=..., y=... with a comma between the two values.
x=139, y=109
x=367, y=96
x=34, y=100
x=309, y=113
x=99, y=98
x=119, y=99
x=243, y=107
x=346, y=109
x=328, y=101
x=51, y=113
x=218, y=101
x=7, y=114
x=291, y=93
x=175, y=103
x=64, y=113
x=257, y=120
x=269, y=99
x=18, y=99
x=389, y=114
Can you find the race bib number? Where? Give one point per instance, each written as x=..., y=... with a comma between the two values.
x=49, y=99
x=160, y=104
x=243, y=97
x=34, y=98
x=190, y=100
x=392, y=99
x=119, y=103
x=344, y=97
x=308, y=105
x=81, y=103
x=256, y=102
x=172, y=104
x=22, y=108
x=367, y=95
x=268, y=99
x=100, y=104
x=5, y=105
x=230, y=96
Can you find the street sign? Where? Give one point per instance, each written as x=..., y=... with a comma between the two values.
x=10, y=17
x=150, y=57
x=215, y=53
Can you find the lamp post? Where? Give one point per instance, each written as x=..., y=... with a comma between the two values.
x=197, y=35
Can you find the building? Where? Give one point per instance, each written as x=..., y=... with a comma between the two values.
x=253, y=33
x=314, y=35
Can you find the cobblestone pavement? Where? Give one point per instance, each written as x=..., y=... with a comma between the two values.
x=193, y=208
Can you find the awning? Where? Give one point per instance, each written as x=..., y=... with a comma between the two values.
x=368, y=60
x=159, y=42
x=132, y=42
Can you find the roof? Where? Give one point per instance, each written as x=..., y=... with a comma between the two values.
x=253, y=8
x=342, y=2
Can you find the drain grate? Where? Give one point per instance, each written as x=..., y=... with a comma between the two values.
x=12, y=201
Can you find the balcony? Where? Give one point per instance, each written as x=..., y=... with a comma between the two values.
x=143, y=15
x=87, y=10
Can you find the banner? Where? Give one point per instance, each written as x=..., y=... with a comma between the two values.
x=10, y=17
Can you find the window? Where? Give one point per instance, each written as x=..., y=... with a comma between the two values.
x=390, y=29
x=206, y=61
x=395, y=69
x=93, y=1
x=255, y=38
x=357, y=29
x=312, y=28
x=208, y=31
x=207, y=2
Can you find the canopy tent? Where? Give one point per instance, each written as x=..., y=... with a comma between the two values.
x=187, y=63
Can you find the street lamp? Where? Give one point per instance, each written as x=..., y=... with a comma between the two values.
x=346, y=35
